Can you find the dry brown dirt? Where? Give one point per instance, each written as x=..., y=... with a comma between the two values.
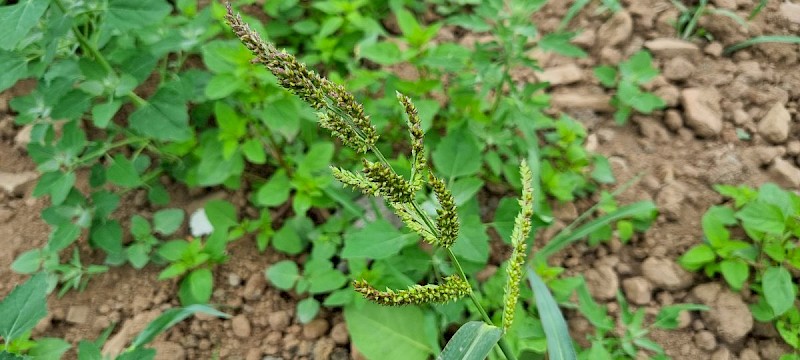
x=679, y=154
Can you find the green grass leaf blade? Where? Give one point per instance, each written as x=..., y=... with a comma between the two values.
x=168, y=319
x=786, y=39
x=473, y=340
x=22, y=309
x=559, y=343
x=565, y=238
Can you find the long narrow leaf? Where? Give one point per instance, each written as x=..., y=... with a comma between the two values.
x=787, y=39
x=473, y=341
x=564, y=239
x=170, y=318
x=559, y=343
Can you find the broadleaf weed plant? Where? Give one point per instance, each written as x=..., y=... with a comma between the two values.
x=340, y=113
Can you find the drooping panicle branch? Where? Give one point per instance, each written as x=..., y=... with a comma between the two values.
x=447, y=222
x=453, y=288
x=338, y=109
x=522, y=228
x=418, y=159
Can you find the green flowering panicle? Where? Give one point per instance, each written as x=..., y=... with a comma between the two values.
x=453, y=288
x=419, y=162
x=355, y=180
x=338, y=109
x=414, y=223
x=447, y=222
x=522, y=228
x=391, y=185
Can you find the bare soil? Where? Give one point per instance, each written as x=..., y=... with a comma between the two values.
x=679, y=154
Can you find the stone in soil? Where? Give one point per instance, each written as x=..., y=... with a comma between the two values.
x=791, y=12
x=339, y=334
x=671, y=47
x=254, y=287
x=722, y=354
x=785, y=173
x=703, y=112
x=572, y=101
x=774, y=126
x=671, y=198
x=728, y=316
x=705, y=340
x=323, y=349
x=167, y=350
x=603, y=282
x=129, y=329
x=561, y=75
x=666, y=274
x=616, y=30
x=279, y=320
x=638, y=290
x=78, y=314
x=241, y=326
x=12, y=183
x=315, y=329
x=678, y=68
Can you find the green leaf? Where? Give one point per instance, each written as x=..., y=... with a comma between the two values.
x=122, y=172
x=9, y=356
x=88, y=350
x=307, y=310
x=473, y=242
x=168, y=319
x=559, y=342
x=275, y=191
x=560, y=43
x=22, y=309
x=383, y=53
x=28, y=262
x=283, y=274
x=638, y=68
x=107, y=236
x=167, y=221
x=18, y=20
x=253, y=150
x=779, y=290
x=125, y=15
x=12, y=67
x=325, y=281
x=735, y=272
x=667, y=317
x=377, y=240
x=103, y=113
x=473, y=340
x=196, y=287
x=458, y=154
x=373, y=326
x=164, y=117
x=762, y=217
x=287, y=240
x=221, y=214
x=63, y=236
x=48, y=349
x=697, y=257
x=57, y=184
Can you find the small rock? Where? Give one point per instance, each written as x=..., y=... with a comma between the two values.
x=339, y=334
x=167, y=350
x=23, y=137
x=638, y=290
x=705, y=340
x=791, y=11
x=234, y=280
x=728, y=317
x=725, y=4
x=603, y=282
x=666, y=274
x=722, y=354
x=253, y=354
x=616, y=30
x=749, y=354
x=774, y=127
x=114, y=346
x=254, y=286
x=714, y=49
x=241, y=326
x=671, y=200
x=793, y=147
x=572, y=101
x=678, y=68
x=764, y=155
x=671, y=47
x=315, y=329
x=561, y=75
x=5, y=215
x=78, y=314
x=670, y=94
x=673, y=120
x=11, y=183
x=786, y=173
x=323, y=349
x=703, y=112
x=279, y=320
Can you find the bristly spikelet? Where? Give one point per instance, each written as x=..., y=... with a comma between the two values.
x=522, y=228
x=414, y=224
x=453, y=288
x=355, y=180
x=391, y=185
x=419, y=162
x=447, y=222
x=340, y=112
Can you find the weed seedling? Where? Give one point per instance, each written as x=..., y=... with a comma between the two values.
x=627, y=79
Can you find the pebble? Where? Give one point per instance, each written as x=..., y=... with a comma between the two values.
x=254, y=287
x=167, y=350
x=323, y=349
x=234, y=280
x=315, y=329
x=722, y=354
x=774, y=126
x=603, y=282
x=241, y=326
x=705, y=340
x=666, y=274
x=678, y=68
x=638, y=290
x=573, y=101
x=786, y=173
x=561, y=75
x=12, y=183
x=671, y=47
x=339, y=334
x=279, y=320
x=616, y=30
x=729, y=317
x=702, y=109
x=78, y=314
